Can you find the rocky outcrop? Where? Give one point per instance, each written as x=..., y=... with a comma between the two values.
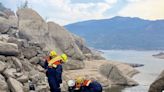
x=89, y=54
x=158, y=84
x=119, y=74
x=25, y=40
x=160, y=55
x=65, y=41
x=108, y=73
x=81, y=44
x=32, y=27
x=18, y=59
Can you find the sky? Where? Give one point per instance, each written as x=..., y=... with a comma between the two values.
x=65, y=12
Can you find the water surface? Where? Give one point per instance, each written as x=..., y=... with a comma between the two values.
x=148, y=73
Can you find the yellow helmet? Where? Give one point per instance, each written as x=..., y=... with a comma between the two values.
x=64, y=58
x=79, y=80
x=53, y=54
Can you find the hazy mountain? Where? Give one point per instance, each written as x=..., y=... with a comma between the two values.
x=2, y=8
x=121, y=33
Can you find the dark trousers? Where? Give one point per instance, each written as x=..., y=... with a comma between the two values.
x=53, y=83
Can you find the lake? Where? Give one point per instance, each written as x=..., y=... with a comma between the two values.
x=148, y=73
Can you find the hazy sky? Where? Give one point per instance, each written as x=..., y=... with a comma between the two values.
x=69, y=11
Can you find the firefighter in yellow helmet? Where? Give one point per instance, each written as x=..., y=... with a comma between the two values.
x=83, y=85
x=54, y=70
x=52, y=54
x=64, y=58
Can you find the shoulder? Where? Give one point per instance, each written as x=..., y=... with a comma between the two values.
x=59, y=66
x=87, y=82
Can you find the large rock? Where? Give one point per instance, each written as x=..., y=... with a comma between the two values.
x=34, y=28
x=93, y=56
x=81, y=44
x=36, y=44
x=126, y=69
x=13, y=21
x=29, y=52
x=123, y=73
x=65, y=41
x=3, y=84
x=24, y=78
x=27, y=66
x=10, y=63
x=17, y=41
x=158, y=84
x=108, y=73
x=90, y=54
x=40, y=68
x=4, y=25
x=91, y=71
x=34, y=60
x=7, y=24
x=17, y=63
x=2, y=66
x=14, y=85
x=13, y=32
x=9, y=73
x=112, y=72
x=43, y=88
x=4, y=38
x=4, y=28
x=31, y=25
x=36, y=76
x=9, y=49
x=73, y=65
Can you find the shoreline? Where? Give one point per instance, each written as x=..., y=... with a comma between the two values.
x=149, y=71
x=97, y=70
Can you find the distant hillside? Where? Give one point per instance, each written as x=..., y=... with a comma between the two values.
x=5, y=12
x=121, y=33
x=2, y=8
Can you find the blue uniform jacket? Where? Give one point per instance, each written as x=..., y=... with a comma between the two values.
x=93, y=87
x=55, y=73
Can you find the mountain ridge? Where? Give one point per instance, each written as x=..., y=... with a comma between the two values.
x=121, y=33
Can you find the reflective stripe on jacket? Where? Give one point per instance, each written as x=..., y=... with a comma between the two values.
x=86, y=82
x=54, y=61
